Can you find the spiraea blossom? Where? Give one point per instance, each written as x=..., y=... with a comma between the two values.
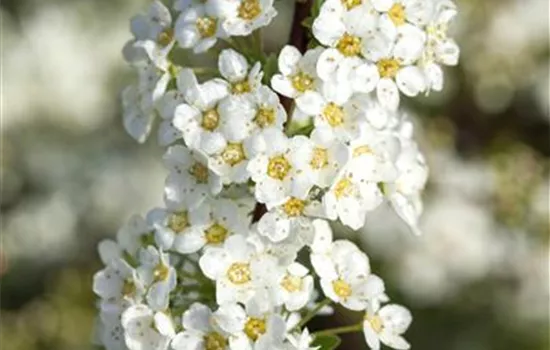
x=241, y=254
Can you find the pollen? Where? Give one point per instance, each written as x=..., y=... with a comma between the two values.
x=349, y=45
x=241, y=87
x=397, y=14
x=239, y=273
x=215, y=341
x=302, y=82
x=254, y=328
x=343, y=188
x=341, y=288
x=376, y=323
x=165, y=37
x=361, y=150
x=216, y=234
x=319, y=158
x=233, y=154
x=294, y=207
x=161, y=272
x=249, y=9
x=278, y=167
x=210, y=119
x=206, y=26
x=128, y=288
x=292, y=284
x=334, y=114
x=199, y=172
x=265, y=117
x=178, y=221
x=350, y=4
x=388, y=68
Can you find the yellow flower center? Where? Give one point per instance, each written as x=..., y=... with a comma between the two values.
x=291, y=283
x=254, y=328
x=215, y=341
x=349, y=45
x=397, y=14
x=239, y=273
x=376, y=322
x=319, y=159
x=210, y=119
x=334, y=114
x=249, y=9
x=216, y=234
x=265, y=117
x=206, y=26
x=361, y=150
x=161, y=272
x=233, y=154
x=178, y=221
x=240, y=87
x=278, y=167
x=128, y=288
x=388, y=67
x=294, y=207
x=200, y=172
x=343, y=188
x=349, y=4
x=302, y=82
x=165, y=37
x=341, y=288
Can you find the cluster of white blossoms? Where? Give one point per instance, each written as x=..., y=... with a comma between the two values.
x=242, y=255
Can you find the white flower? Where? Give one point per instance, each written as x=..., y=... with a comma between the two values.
x=386, y=325
x=235, y=69
x=131, y=235
x=200, y=331
x=118, y=283
x=190, y=181
x=295, y=288
x=199, y=27
x=153, y=36
x=145, y=329
x=242, y=17
x=298, y=73
x=159, y=275
x=301, y=341
x=274, y=169
x=251, y=329
x=400, y=12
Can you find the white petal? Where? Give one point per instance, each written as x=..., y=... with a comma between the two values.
x=197, y=318
x=232, y=65
x=311, y=103
x=410, y=81
x=288, y=59
x=388, y=94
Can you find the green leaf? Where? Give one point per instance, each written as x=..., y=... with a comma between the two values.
x=270, y=68
x=327, y=342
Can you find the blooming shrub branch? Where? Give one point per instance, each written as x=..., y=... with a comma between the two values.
x=251, y=184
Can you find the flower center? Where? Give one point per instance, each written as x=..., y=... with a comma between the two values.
x=388, y=67
x=265, y=117
x=343, y=188
x=334, y=114
x=178, y=221
x=214, y=341
x=341, y=288
x=349, y=4
x=302, y=82
x=375, y=322
x=361, y=150
x=240, y=87
x=206, y=26
x=216, y=234
x=249, y=9
x=233, y=154
x=291, y=283
x=397, y=14
x=254, y=328
x=200, y=172
x=294, y=207
x=278, y=167
x=165, y=37
x=128, y=288
x=349, y=45
x=161, y=271
x=319, y=159
x=239, y=273
x=210, y=119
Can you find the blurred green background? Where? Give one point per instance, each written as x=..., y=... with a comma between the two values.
x=476, y=279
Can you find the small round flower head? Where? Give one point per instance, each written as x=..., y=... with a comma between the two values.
x=397, y=13
x=131, y=235
x=190, y=181
x=235, y=69
x=295, y=288
x=118, y=283
x=200, y=331
x=242, y=17
x=146, y=329
x=199, y=27
x=274, y=169
x=386, y=325
x=298, y=72
x=159, y=275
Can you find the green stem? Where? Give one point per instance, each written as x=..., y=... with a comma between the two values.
x=339, y=330
x=312, y=313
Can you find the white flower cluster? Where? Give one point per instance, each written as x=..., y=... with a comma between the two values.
x=250, y=192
